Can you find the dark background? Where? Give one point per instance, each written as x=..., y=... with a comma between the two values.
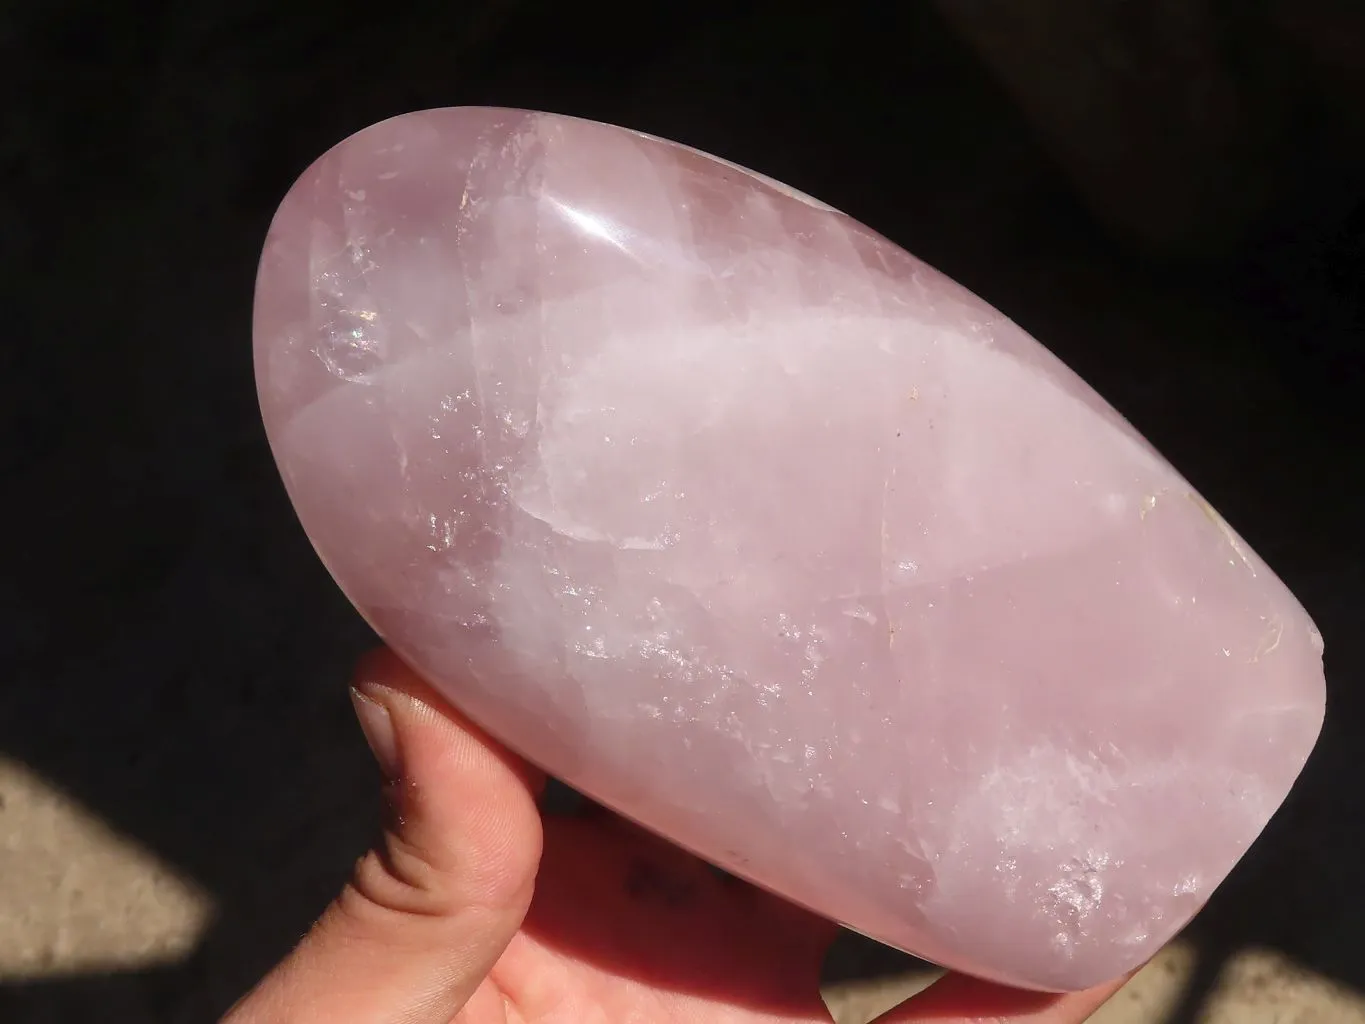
x=1167, y=193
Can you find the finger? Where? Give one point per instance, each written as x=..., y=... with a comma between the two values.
x=430, y=909
x=663, y=925
x=958, y=999
x=791, y=920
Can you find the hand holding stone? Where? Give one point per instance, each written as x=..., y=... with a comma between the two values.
x=435, y=928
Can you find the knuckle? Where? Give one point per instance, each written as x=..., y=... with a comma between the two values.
x=395, y=878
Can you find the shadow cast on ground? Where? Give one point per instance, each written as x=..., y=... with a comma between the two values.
x=180, y=657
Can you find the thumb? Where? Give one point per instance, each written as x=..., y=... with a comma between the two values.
x=431, y=908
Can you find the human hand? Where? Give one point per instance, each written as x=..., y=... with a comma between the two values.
x=439, y=925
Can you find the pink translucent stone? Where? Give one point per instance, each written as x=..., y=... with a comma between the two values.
x=754, y=527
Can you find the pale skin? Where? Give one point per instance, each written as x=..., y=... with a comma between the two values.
x=474, y=909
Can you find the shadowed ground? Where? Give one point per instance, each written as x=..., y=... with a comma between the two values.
x=182, y=785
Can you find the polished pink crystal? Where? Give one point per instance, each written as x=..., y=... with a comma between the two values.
x=757, y=529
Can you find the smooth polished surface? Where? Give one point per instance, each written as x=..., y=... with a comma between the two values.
x=744, y=521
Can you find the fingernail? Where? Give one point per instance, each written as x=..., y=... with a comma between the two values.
x=377, y=724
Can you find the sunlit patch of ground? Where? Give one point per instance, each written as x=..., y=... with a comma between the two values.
x=1255, y=987
x=77, y=897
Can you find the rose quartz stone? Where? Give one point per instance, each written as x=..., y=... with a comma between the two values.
x=757, y=529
